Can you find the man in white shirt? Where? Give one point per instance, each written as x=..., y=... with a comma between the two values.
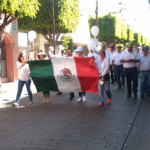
x=130, y=59
x=118, y=67
x=92, y=54
x=144, y=67
x=51, y=49
x=110, y=55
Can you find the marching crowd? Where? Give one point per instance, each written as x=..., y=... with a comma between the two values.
x=113, y=65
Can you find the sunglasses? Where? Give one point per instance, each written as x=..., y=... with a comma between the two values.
x=111, y=47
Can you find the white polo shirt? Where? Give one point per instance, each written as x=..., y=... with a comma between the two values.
x=116, y=57
x=144, y=63
x=110, y=56
x=126, y=55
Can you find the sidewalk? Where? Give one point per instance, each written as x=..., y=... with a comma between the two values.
x=67, y=125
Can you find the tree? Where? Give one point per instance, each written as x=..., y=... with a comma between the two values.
x=12, y=9
x=67, y=41
x=137, y=37
x=66, y=19
x=130, y=34
x=118, y=28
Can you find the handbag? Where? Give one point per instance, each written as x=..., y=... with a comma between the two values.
x=106, y=77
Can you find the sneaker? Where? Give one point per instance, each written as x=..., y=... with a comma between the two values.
x=101, y=104
x=15, y=105
x=59, y=93
x=30, y=103
x=118, y=88
x=109, y=100
x=142, y=96
x=84, y=98
x=79, y=100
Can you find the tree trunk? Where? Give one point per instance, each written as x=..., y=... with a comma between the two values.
x=1, y=35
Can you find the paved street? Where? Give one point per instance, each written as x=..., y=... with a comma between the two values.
x=71, y=125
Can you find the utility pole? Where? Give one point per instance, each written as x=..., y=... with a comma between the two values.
x=53, y=24
x=96, y=12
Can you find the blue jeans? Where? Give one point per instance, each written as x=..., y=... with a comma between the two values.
x=144, y=82
x=119, y=71
x=20, y=87
x=101, y=88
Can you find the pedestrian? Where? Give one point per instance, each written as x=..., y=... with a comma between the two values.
x=118, y=67
x=46, y=94
x=102, y=65
x=110, y=55
x=69, y=54
x=144, y=67
x=51, y=49
x=130, y=58
x=92, y=54
x=82, y=96
x=24, y=78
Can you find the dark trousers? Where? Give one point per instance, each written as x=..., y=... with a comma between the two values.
x=81, y=93
x=119, y=71
x=46, y=93
x=131, y=76
x=112, y=75
x=72, y=94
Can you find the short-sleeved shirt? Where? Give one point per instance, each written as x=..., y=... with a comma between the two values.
x=110, y=56
x=116, y=57
x=126, y=55
x=144, y=63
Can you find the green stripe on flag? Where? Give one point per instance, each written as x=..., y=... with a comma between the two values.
x=43, y=75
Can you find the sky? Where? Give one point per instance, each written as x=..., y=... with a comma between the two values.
x=136, y=13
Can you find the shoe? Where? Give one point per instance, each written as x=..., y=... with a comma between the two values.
x=47, y=101
x=142, y=96
x=101, y=104
x=71, y=98
x=135, y=95
x=79, y=100
x=109, y=100
x=59, y=93
x=15, y=105
x=30, y=103
x=123, y=87
x=147, y=95
x=128, y=95
x=111, y=82
x=118, y=88
x=84, y=98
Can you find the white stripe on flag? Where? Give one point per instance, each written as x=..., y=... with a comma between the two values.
x=65, y=73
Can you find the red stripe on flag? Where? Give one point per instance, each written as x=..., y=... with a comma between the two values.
x=87, y=74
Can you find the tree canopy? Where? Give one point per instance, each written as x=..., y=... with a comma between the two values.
x=12, y=9
x=118, y=28
x=66, y=18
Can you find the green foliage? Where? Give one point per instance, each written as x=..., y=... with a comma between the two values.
x=19, y=8
x=67, y=41
x=137, y=37
x=66, y=18
x=118, y=28
x=130, y=35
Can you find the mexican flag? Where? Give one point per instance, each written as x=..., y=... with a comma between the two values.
x=75, y=74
